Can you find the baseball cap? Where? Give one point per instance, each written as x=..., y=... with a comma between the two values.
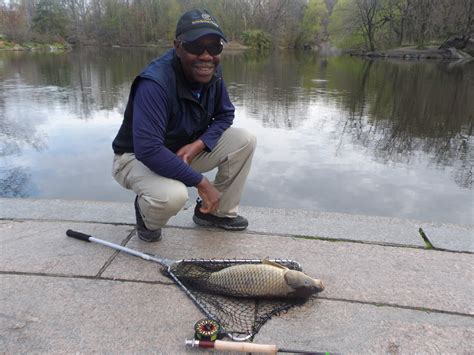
x=197, y=23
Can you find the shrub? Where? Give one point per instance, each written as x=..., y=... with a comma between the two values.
x=256, y=39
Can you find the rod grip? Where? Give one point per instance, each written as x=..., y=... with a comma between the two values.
x=78, y=235
x=245, y=347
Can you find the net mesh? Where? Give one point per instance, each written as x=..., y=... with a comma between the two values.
x=237, y=312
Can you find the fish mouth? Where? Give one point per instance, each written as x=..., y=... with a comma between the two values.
x=307, y=291
x=319, y=286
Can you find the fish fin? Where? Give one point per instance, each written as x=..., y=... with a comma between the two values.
x=266, y=261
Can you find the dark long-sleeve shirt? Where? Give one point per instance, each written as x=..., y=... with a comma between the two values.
x=151, y=112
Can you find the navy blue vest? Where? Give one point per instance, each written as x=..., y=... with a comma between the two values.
x=188, y=118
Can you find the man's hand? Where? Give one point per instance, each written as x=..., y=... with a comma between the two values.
x=210, y=196
x=189, y=151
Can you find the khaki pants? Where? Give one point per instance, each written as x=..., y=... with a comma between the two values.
x=161, y=198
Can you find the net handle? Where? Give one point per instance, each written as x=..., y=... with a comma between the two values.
x=89, y=238
x=167, y=263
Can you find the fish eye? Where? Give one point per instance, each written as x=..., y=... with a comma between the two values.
x=306, y=282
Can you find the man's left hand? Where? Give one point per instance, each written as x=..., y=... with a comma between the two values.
x=189, y=151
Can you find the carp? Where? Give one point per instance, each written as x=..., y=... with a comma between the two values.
x=265, y=280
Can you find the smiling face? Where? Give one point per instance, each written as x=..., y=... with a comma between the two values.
x=199, y=68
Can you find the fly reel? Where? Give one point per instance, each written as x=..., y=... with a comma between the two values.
x=207, y=329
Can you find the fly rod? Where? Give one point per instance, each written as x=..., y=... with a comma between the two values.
x=245, y=347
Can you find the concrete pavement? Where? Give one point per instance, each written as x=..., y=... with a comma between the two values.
x=385, y=291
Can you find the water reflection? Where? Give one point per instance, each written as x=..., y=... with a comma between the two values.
x=15, y=182
x=394, y=109
x=402, y=109
x=333, y=132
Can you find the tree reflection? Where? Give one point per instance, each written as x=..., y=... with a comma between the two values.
x=15, y=182
x=83, y=81
x=15, y=135
x=396, y=109
x=399, y=109
x=271, y=89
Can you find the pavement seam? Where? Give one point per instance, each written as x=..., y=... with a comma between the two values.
x=64, y=221
x=393, y=245
x=394, y=305
x=114, y=255
x=85, y=277
x=298, y=236
x=171, y=283
x=382, y=244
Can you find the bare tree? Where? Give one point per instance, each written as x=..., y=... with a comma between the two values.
x=371, y=19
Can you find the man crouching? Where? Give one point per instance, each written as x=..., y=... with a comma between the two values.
x=177, y=125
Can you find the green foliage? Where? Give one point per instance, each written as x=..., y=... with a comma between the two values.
x=6, y=44
x=50, y=18
x=354, y=24
x=256, y=39
x=314, y=12
x=341, y=26
x=428, y=244
x=13, y=24
x=172, y=12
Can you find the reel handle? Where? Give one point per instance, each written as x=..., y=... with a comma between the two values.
x=233, y=346
x=245, y=347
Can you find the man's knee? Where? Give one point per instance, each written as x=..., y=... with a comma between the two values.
x=247, y=139
x=177, y=199
x=251, y=141
x=166, y=203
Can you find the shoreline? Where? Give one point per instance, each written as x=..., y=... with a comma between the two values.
x=414, y=53
x=405, y=53
x=30, y=46
x=332, y=226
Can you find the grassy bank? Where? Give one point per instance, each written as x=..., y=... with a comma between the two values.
x=28, y=46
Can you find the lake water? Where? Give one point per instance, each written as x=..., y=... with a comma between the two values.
x=338, y=134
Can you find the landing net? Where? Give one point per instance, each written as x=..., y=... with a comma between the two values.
x=238, y=313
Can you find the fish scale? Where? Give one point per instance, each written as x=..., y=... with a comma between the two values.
x=250, y=280
x=265, y=280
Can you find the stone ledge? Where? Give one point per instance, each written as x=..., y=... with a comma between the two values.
x=292, y=222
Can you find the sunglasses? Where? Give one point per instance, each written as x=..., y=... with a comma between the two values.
x=197, y=48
